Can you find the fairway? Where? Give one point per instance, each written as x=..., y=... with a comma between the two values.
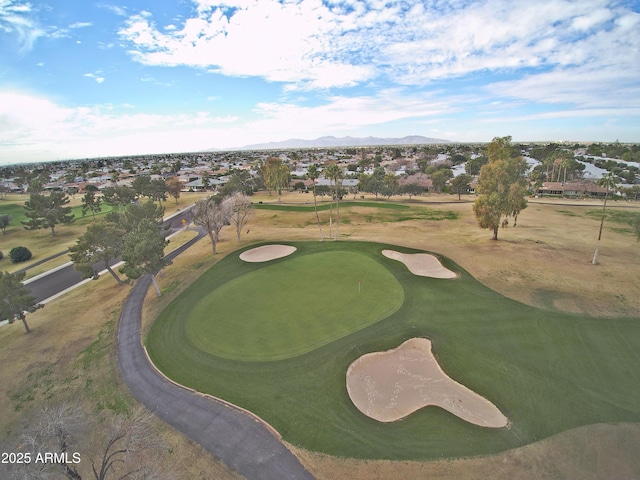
x=278, y=337
x=294, y=306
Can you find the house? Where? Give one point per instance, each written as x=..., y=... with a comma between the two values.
x=572, y=189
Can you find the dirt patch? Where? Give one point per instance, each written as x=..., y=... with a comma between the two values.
x=388, y=386
x=266, y=253
x=422, y=264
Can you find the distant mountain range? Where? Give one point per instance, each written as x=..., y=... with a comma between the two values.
x=330, y=141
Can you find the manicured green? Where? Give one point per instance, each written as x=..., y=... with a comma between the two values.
x=547, y=372
x=293, y=307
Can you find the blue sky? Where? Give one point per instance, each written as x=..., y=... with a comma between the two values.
x=82, y=78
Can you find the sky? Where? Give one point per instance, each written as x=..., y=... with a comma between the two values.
x=82, y=79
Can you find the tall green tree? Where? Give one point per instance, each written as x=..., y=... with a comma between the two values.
x=313, y=174
x=143, y=251
x=16, y=299
x=276, y=175
x=501, y=186
x=47, y=211
x=135, y=213
x=102, y=242
x=608, y=181
x=119, y=197
x=461, y=184
x=91, y=203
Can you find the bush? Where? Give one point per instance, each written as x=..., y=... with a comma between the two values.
x=19, y=254
x=1, y=255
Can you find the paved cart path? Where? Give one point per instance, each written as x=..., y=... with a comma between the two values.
x=237, y=439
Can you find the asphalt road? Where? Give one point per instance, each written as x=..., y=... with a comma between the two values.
x=237, y=439
x=49, y=285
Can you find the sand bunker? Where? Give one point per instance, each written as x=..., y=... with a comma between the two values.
x=421, y=264
x=266, y=253
x=388, y=386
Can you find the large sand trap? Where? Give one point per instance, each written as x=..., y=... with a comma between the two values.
x=388, y=386
x=266, y=253
x=421, y=264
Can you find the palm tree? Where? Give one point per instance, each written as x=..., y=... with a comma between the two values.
x=335, y=175
x=312, y=173
x=608, y=182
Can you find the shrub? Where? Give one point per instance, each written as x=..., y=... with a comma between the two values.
x=1, y=255
x=19, y=254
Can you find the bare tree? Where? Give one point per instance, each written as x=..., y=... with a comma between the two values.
x=212, y=214
x=56, y=428
x=127, y=438
x=127, y=448
x=240, y=210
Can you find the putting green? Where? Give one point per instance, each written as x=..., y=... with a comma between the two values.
x=293, y=307
x=278, y=337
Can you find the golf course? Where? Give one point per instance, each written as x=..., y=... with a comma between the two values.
x=277, y=337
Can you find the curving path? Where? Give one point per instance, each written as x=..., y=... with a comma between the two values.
x=241, y=442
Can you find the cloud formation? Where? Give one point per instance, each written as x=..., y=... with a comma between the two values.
x=318, y=44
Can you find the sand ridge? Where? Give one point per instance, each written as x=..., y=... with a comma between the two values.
x=390, y=385
x=422, y=264
x=266, y=253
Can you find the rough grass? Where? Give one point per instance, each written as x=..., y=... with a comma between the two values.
x=548, y=372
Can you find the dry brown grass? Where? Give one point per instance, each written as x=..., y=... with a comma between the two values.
x=544, y=261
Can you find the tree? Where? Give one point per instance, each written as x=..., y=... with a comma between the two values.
x=91, y=203
x=389, y=186
x=5, y=220
x=135, y=213
x=313, y=174
x=143, y=251
x=608, y=181
x=501, y=186
x=158, y=190
x=142, y=185
x=276, y=175
x=174, y=187
x=240, y=210
x=119, y=196
x=372, y=183
x=55, y=428
x=212, y=214
x=461, y=184
x=473, y=166
x=411, y=189
x=239, y=181
x=440, y=177
x=16, y=299
x=334, y=174
x=101, y=243
x=47, y=211
x=127, y=447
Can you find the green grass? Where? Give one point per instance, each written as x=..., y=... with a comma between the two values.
x=546, y=371
x=326, y=206
x=294, y=307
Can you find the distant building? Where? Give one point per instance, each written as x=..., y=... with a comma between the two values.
x=571, y=189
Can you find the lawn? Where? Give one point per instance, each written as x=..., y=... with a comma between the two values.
x=296, y=306
x=547, y=371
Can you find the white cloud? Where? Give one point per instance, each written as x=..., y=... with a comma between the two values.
x=96, y=76
x=35, y=128
x=81, y=25
x=309, y=44
x=16, y=18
